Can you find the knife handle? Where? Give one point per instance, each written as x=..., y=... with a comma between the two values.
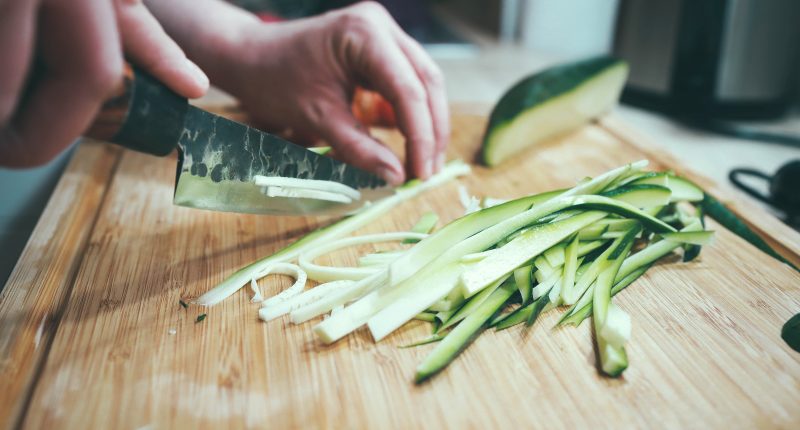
x=143, y=115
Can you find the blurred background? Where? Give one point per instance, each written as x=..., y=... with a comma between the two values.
x=715, y=81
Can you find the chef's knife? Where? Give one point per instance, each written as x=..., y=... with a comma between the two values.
x=218, y=158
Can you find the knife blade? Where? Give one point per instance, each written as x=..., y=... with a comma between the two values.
x=218, y=158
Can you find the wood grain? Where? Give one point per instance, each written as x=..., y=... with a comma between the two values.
x=706, y=348
x=33, y=301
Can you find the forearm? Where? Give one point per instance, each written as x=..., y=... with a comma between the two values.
x=212, y=32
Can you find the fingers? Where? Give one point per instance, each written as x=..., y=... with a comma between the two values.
x=431, y=77
x=355, y=146
x=79, y=46
x=148, y=46
x=393, y=76
x=17, y=20
x=375, y=56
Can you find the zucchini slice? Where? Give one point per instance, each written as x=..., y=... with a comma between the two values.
x=551, y=102
x=464, y=333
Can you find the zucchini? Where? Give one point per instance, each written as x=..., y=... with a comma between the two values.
x=538, y=306
x=333, y=231
x=570, y=270
x=617, y=326
x=632, y=268
x=535, y=241
x=471, y=305
x=581, y=314
x=528, y=245
x=715, y=209
x=583, y=291
x=436, y=337
x=682, y=189
x=426, y=316
x=551, y=102
x=425, y=225
x=524, y=280
x=612, y=325
x=464, y=333
x=486, y=219
x=643, y=196
x=690, y=237
x=790, y=332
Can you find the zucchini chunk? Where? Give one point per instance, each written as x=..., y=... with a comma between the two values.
x=551, y=102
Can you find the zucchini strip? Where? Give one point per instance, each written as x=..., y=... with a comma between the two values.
x=288, y=184
x=586, y=311
x=334, y=231
x=524, y=281
x=463, y=334
x=484, y=219
x=472, y=304
x=570, y=269
x=304, y=193
x=327, y=273
x=528, y=245
x=269, y=312
x=610, y=333
x=279, y=269
x=426, y=224
x=345, y=295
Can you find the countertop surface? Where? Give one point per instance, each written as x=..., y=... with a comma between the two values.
x=93, y=334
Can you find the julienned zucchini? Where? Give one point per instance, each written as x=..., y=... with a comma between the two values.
x=538, y=252
x=551, y=102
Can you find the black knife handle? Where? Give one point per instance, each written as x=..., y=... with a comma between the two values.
x=143, y=115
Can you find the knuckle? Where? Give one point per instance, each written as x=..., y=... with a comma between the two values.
x=433, y=76
x=353, y=20
x=363, y=16
x=372, y=8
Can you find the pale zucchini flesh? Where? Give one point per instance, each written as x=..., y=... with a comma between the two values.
x=528, y=115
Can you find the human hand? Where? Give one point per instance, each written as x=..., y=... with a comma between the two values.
x=79, y=45
x=302, y=75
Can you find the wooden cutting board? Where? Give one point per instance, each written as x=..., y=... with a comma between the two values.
x=92, y=334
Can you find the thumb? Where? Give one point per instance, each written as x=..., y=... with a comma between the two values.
x=354, y=145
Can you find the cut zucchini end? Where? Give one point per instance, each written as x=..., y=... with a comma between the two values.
x=423, y=375
x=614, y=360
x=551, y=102
x=703, y=237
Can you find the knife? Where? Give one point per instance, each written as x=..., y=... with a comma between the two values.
x=219, y=159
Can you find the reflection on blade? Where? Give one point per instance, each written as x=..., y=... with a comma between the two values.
x=244, y=197
x=220, y=159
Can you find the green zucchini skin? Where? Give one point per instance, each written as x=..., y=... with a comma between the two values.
x=791, y=332
x=715, y=209
x=535, y=91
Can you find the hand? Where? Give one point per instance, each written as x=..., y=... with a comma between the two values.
x=302, y=75
x=79, y=45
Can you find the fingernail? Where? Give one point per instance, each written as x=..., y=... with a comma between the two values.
x=440, y=160
x=390, y=175
x=428, y=170
x=197, y=74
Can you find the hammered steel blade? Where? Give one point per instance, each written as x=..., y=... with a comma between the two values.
x=219, y=158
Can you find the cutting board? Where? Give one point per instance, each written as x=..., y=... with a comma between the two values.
x=93, y=335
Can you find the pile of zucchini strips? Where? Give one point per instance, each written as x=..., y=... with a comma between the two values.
x=502, y=264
